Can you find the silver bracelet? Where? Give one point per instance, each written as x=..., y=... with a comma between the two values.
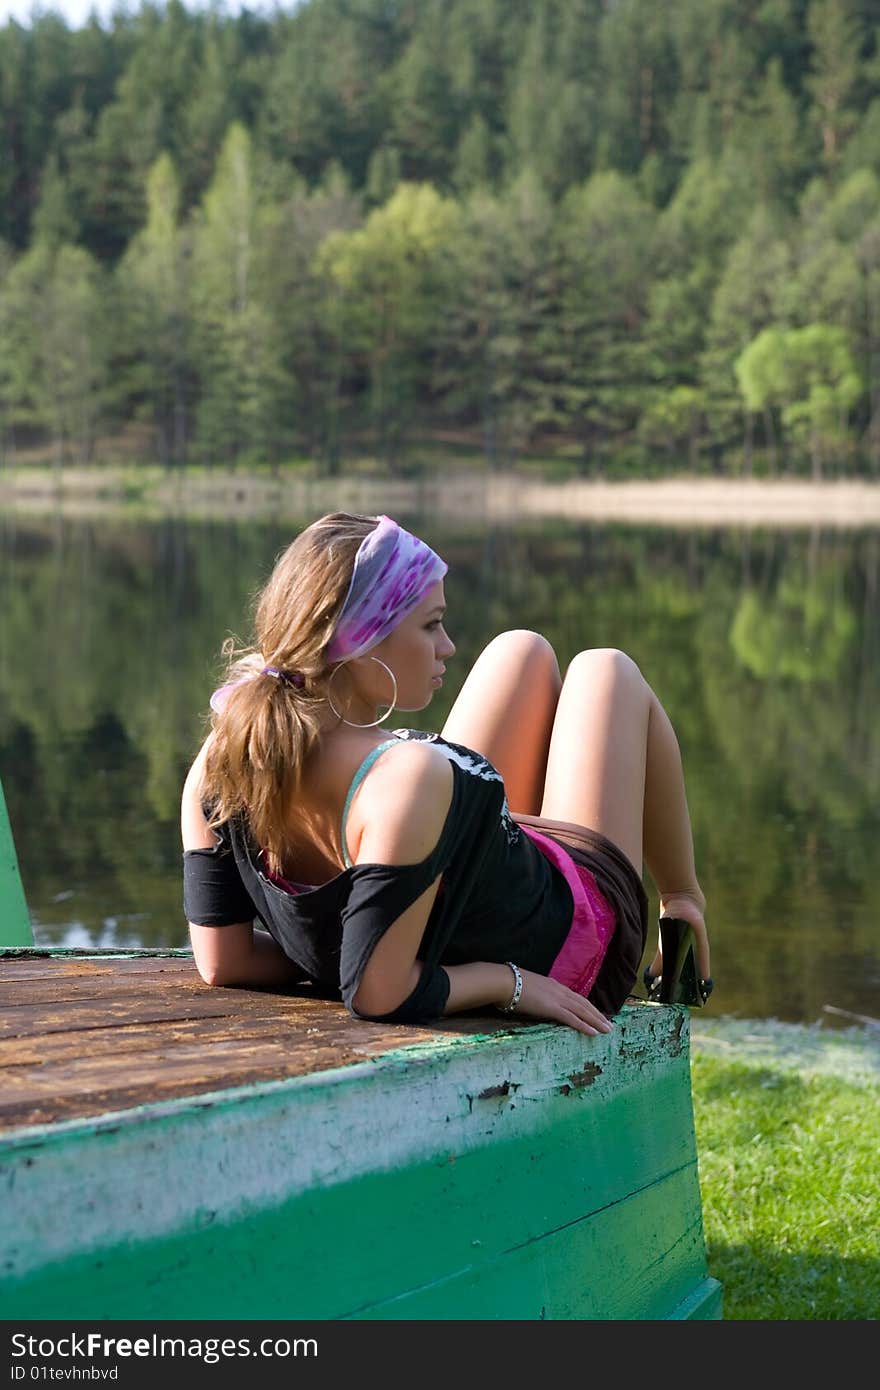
x=517, y=990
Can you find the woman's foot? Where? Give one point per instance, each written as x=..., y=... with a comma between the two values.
x=691, y=908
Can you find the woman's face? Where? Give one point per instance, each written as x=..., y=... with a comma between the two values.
x=416, y=651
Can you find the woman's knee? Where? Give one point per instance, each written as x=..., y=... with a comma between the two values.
x=527, y=649
x=606, y=664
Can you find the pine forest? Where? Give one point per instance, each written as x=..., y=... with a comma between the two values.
x=632, y=235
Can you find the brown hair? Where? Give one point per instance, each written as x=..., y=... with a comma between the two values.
x=268, y=726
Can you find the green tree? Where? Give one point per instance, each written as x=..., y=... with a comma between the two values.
x=528, y=117
x=868, y=259
x=834, y=31
x=55, y=360
x=383, y=174
x=325, y=99
x=54, y=222
x=606, y=236
x=9, y=391
x=483, y=41
x=38, y=78
x=208, y=109
x=692, y=240
x=423, y=115
x=767, y=136
x=837, y=277
x=153, y=280
x=745, y=301
x=111, y=155
x=501, y=361
x=717, y=70
x=393, y=274
x=307, y=311
x=466, y=377
x=810, y=375
x=862, y=150
x=637, y=61
x=237, y=351
x=474, y=160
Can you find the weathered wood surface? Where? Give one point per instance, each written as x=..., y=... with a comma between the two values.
x=83, y=1035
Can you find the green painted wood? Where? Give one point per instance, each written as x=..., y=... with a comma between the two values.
x=703, y=1303
x=15, y=922
x=527, y=1173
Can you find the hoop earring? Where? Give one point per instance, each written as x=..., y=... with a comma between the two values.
x=373, y=722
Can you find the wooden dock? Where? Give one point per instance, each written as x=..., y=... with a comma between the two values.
x=173, y=1151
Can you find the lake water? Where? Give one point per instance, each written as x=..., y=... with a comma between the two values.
x=763, y=645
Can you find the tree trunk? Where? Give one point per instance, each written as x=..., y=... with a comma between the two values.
x=816, y=455
x=771, y=441
x=748, y=442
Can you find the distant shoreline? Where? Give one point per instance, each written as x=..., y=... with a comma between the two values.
x=670, y=502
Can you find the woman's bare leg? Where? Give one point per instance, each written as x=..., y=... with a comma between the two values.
x=614, y=765
x=505, y=710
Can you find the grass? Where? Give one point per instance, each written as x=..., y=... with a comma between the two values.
x=788, y=1133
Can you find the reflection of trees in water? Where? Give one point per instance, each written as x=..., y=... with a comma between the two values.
x=794, y=832
x=802, y=635
x=762, y=645
x=87, y=850
x=760, y=652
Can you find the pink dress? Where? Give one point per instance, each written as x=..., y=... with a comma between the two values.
x=592, y=925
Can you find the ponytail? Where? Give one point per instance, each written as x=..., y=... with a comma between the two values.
x=262, y=737
x=274, y=706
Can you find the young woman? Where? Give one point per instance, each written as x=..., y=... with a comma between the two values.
x=420, y=874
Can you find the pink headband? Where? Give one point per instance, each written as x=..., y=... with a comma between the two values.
x=393, y=571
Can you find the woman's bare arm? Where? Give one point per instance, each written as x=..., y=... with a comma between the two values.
x=240, y=955
x=397, y=818
x=399, y=822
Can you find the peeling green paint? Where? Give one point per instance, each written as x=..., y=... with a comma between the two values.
x=525, y=1173
x=15, y=922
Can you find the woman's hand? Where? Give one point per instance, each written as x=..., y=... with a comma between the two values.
x=548, y=999
x=480, y=983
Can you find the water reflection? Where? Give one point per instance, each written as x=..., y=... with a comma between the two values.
x=764, y=646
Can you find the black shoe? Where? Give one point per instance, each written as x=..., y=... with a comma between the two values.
x=680, y=982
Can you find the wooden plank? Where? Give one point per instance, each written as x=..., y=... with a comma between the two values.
x=78, y=1038
x=22, y=971
x=44, y=1051
x=15, y=970
x=33, y=959
x=71, y=1015
x=94, y=1084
